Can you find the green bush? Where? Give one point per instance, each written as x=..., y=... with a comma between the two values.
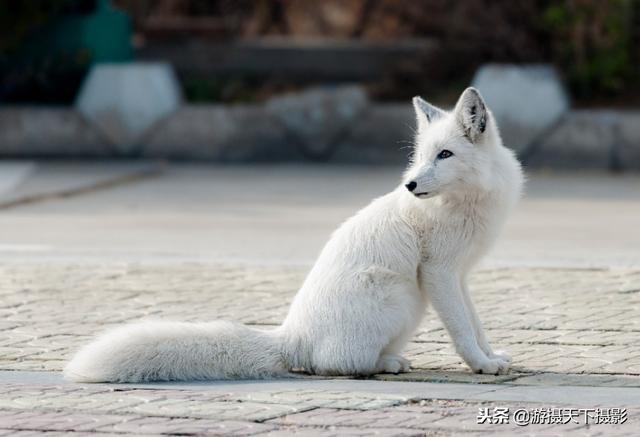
x=42, y=77
x=591, y=42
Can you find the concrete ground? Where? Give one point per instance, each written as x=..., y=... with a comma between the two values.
x=87, y=246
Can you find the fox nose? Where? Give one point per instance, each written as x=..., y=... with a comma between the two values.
x=411, y=185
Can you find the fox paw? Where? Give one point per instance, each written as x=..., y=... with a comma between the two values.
x=501, y=355
x=391, y=363
x=492, y=366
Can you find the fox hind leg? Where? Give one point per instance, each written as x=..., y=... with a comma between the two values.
x=392, y=363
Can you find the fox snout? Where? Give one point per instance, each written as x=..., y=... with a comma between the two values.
x=411, y=186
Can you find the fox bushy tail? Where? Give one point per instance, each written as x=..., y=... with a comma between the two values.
x=172, y=351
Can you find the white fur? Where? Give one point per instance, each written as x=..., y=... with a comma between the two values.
x=369, y=289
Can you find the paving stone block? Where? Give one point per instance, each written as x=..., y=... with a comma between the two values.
x=318, y=119
x=526, y=100
x=222, y=133
x=44, y=132
x=125, y=100
x=584, y=139
x=628, y=140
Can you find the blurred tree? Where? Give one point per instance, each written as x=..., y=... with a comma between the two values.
x=595, y=43
x=268, y=16
x=50, y=46
x=20, y=76
x=591, y=41
x=18, y=19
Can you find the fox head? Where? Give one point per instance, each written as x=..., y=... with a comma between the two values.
x=453, y=150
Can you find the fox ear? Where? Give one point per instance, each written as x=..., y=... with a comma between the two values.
x=471, y=114
x=425, y=112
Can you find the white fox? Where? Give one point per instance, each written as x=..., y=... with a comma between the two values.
x=369, y=289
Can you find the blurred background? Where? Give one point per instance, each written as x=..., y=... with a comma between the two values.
x=94, y=94
x=264, y=80
x=396, y=47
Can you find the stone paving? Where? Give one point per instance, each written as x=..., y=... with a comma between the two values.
x=557, y=321
x=573, y=327
x=107, y=410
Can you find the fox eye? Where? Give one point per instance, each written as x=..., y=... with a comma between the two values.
x=444, y=154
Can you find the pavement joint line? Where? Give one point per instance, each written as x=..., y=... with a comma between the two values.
x=560, y=394
x=300, y=409
x=155, y=170
x=71, y=431
x=553, y=343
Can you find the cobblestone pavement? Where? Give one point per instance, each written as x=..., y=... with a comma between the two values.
x=555, y=321
x=573, y=327
x=108, y=411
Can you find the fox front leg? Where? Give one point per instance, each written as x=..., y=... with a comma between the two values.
x=447, y=297
x=477, y=326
